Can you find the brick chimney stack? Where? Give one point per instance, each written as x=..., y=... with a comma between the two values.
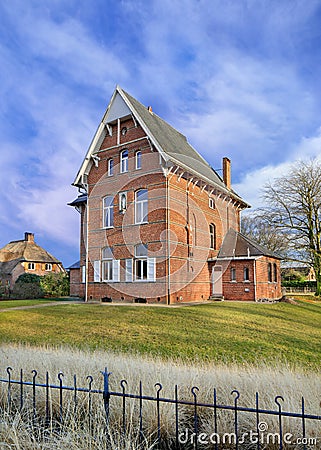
x=29, y=237
x=227, y=172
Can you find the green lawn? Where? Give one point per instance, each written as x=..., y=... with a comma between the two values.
x=17, y=303
x=223, y=332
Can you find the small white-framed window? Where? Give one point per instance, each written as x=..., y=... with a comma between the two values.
x=211, y=203
x=108, y=212
x=233, y=274
x=124, y=161
x=138, y=159
x=141, y=206
x=110, y=167
x=246, y=274
x=48, y=267
x=122, y=199
x=31, y=266
x=212, y=236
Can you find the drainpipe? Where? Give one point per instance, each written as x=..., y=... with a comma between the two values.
x=168, y=243
x=86, y=244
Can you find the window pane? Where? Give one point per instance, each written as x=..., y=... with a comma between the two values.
x=110, y=167
x=141, y=250
x=142, y=195
x=107, y=253
x=124, y=161
x=108, y=201
x=138, y=160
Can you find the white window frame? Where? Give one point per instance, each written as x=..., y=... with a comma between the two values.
x=212, y=236
x=108, y=212
x=144, y=265
x=110, y=167
x=48, y=267
x=31, y=266
x=138, y=160
x=211, y=203
x=141, y=207
x=124, y=161
x=112, y=265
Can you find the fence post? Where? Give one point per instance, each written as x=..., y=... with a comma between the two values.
x=106, y=394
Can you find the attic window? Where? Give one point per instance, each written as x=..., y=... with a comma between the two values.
x=48, y=267
x=31, y=266
x=211, y=203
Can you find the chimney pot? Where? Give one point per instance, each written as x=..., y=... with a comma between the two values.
x=150, y=109
x=227, y=172
x=29, y=237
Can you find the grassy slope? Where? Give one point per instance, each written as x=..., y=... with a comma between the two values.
x=226, y=332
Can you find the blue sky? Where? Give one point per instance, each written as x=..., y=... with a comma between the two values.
x=238, y=78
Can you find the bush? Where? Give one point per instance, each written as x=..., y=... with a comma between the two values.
x=28, y=278
x=55, y=284
x=301, y=284
x=23, y=290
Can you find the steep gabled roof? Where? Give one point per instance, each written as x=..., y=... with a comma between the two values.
x=25, y=251
x=236, y=245
x=171, y=144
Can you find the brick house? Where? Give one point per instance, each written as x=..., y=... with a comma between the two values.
x=154, y=215
x=25, y=256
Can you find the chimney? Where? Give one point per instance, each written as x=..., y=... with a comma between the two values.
x=150, y=109
x=29, y=237
x=227, y=172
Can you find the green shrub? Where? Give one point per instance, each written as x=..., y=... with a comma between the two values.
x=23, y=290
x=297, y=283
x=55, y=284
x=28, y=278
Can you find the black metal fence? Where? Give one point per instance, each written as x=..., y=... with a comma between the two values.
x=187, y=414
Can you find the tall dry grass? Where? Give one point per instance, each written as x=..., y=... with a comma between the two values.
x=22, y=430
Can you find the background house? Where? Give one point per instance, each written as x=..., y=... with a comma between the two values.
x=154, y=215
x=25, y=256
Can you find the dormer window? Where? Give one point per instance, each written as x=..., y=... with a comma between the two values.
x=124, y=161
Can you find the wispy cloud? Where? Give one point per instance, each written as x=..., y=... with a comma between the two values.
x=238, y=78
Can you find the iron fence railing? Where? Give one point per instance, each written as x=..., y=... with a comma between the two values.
x=18, y=393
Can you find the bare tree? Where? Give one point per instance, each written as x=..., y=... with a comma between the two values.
x=294, y=208
x=257, y=227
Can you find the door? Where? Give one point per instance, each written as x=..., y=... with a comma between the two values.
x=217, y=285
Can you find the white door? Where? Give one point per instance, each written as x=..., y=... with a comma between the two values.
x=217, y=288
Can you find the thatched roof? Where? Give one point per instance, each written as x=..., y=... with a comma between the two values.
x=26, y=250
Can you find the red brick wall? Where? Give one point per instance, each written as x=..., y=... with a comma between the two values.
x=254, y=289
x=74, y=277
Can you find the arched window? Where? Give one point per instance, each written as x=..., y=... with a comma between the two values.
x=138, y=160
x=212, y=236
x=270, y=272
x=275, y=272
x=141, y=206
x=110, y=167
x=124, y=161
